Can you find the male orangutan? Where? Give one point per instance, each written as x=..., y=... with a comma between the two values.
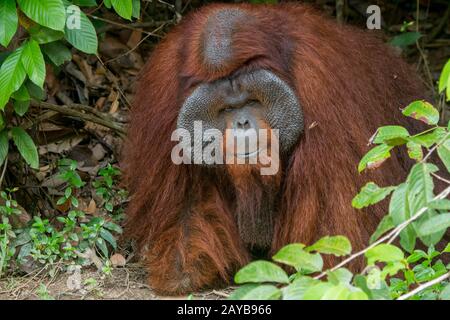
x=325, y=88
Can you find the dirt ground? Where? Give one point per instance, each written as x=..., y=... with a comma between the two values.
x=128, y=283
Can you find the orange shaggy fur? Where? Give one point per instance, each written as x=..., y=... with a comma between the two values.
x=183, y=217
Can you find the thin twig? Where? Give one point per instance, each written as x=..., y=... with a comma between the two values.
x=78, y=114
x=424, y=286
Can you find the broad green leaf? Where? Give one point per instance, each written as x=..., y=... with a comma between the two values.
x=21, y=107
x=26, y=146
x=136, y=9
x=113, y=227
x=428, y=139
x=4, y=146
x=101, y=244
x=21, y=94
x=44, y=35
x=49, y=13
x=445, y=294
x=107, y=3
x=447, y=248
x=370, y=194
x=317, y=291
x=435, y=224
x=357, y=295
x=85, y=3
x=81, y=35
x=414, y=151
x=385, y=225
x=419, y=193
x=375, y=157
x=440, y=204
x=240, y=292
x=57, y=52
x=445, y=77
x=289, y=254
x=420, y=186
x=336, y=245
x=297, y=288
x=123, y=7
x=107, y=236
x=33, y=62
x=341, y=275
x=392, y=135
x=423, y=111
x=262, y=292
x=2, y=122
x=398, y=207
x=384, y=253
x=293, y=255
x=8, y=21
x=405, y=39
x=408, y=238
x=12, y=75
x=35, y=91
x=261, y=271
x=443, y=151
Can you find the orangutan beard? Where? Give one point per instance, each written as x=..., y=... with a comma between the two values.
x=255, y=204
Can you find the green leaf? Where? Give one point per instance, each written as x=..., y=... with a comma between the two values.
x=262, y=292
x=405, y=39
x=12, y=75
x=240, y=292
x=440, y=204
x=297, y=288
x=408, y=238
x=385, y=225
x=44, y=35
x=123, y=7
x=294, y=255
x=101, y=244
x=384, y=253
x=443, y=151
x=136, y=9
x=85, y=3
x=340, y=276
x=33, y=62
x=375, y=157
x=26, y=146
x=105, y=234
x=423, y=111
x=57, y=52
x=435, y=224
x=107, y=3
x=21, y=94
x=8, y=21
x=317, y=291
x=336, y=245
x=261, y=271
x=428, y=139
x=392, y=135
x=4, y=146
x=21, y=107
x=445, y=294
x=414, y=151
x=49, y=13
x=81, y=35
x=113, y=227
x=445, y=77
x=370, y=194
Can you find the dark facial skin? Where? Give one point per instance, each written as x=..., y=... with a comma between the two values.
x=255, y=100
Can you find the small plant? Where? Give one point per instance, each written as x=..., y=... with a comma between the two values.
x=105, y=187
x=8, y=208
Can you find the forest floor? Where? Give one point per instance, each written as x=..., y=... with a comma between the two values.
x=126, y=283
